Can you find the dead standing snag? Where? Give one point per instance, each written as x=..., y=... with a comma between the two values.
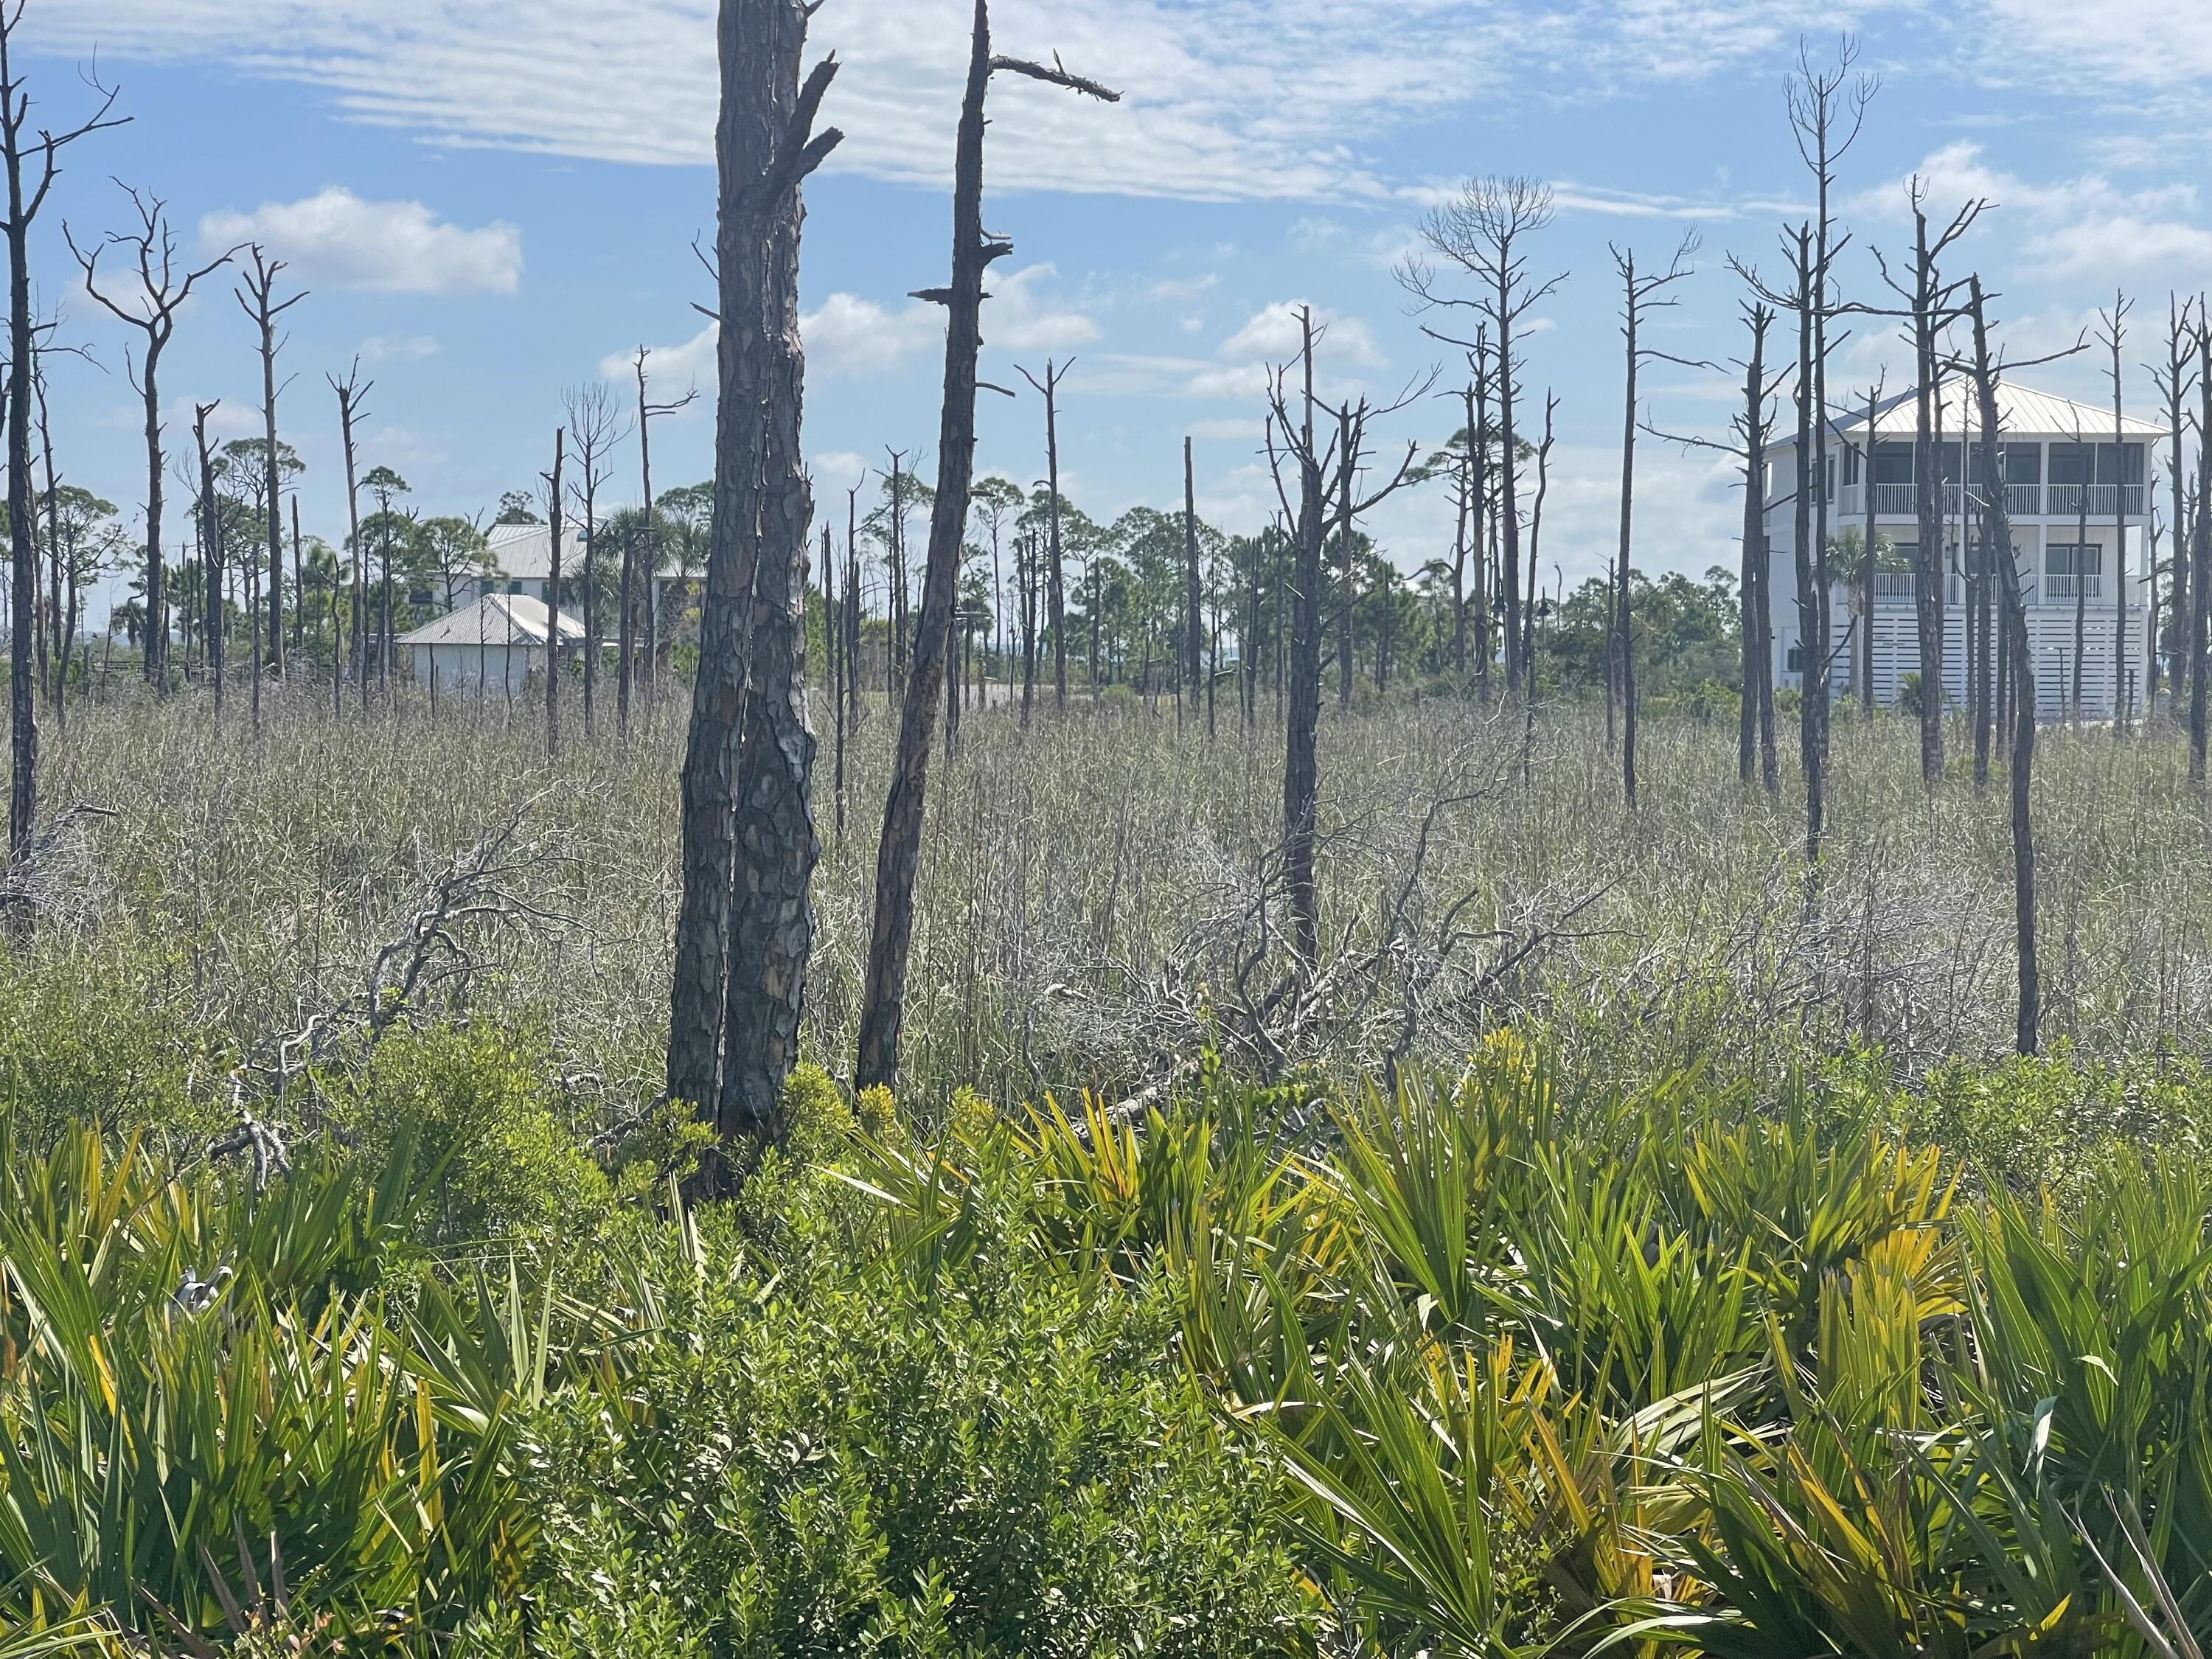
x=974, y=249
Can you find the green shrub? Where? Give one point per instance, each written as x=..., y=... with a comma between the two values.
x=821, y=1456
x=481, y=1111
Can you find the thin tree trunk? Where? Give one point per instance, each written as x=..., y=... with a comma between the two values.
x=553, y=606
x=1996, y=531
x=898, y=855
x=1194, y=659
x=1301, y=760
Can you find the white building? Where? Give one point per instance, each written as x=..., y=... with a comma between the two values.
x=495, y=644
x=2078, y=503
x=524, y=555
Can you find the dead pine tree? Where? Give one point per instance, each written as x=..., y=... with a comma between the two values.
x=1483, y=231
x=256, y=297
x=161, y=290
x=1809, y=544
x=1828, y=108
x=1753, y=428
x=553, y=596
x=1641, y=293
x=33, y=160
x=211, y=559
x=2200, y=575
x=2176, y=381
x=1292, y=442
x=1997, y=532
x=775, y=844
x=648, y=665
x=350, y=390
x=1055, y=617
x=898, y=855
x=764, y=147
x=2112, y=335
x=1862, y=578
x=1193, y=619
x=595, y=427
x=1931, y=305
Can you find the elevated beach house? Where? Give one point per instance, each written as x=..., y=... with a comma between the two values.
x=2078, y=493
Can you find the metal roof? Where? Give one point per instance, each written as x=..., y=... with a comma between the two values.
x=526, y=550
x=496, y=619
x=2022, y=411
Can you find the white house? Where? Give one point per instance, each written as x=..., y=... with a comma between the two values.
x=523, y=553
x=523, y=556
x=497, y=643
x=2078, y=503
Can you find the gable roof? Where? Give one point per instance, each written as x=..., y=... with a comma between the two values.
x=496, y=619
x=2021, y=411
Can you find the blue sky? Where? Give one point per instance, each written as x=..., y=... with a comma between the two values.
x=491, y=200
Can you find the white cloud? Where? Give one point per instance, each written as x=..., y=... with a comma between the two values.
x=1226, y=99
x=2087, y=228
x=387, y=347
x=1021, y=318
x=669, y=369
x=848, y=335
x=1274, y=334
x=335, y=237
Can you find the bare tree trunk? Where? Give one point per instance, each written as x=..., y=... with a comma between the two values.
x=552, y=602
x=2115, y=334
x=1056, y=597
x=772, y=917
x=1194, y=622
x=763, y=148
x=1997, y=532
x=349, y=393
x=298, y=582
x=1755, y=724
x=1867, y=568
x=1620, y=674
x=1811, y=565
x=1928, y=505
x=2200, y=582
x=211, y=560
x=2177, y=385
x=257, y=299
x=833, y=634
x=1301, y=760
x=898, y=855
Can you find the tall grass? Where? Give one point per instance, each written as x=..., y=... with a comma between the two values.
x=1095, y=896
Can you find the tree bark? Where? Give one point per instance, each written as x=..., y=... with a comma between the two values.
x=772, y=919
x=898, y=855
x=1301, y=758
x=1996, y=535
x=763, y=150
x=1193, y=661
x=1928, y=505
x=552, y=597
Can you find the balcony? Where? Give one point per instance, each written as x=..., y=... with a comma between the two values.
x=2058, y=589
x=1890, y=501
x=2102, y=500
x=1901, y=588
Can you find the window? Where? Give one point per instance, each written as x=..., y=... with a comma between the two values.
x=2073, y=463
x=1832, y=477
x=1792, y=661
x=1892, y=464
x=2073, y=570
x=1852, y=460
x=2119, y=463
x=2022, y=463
